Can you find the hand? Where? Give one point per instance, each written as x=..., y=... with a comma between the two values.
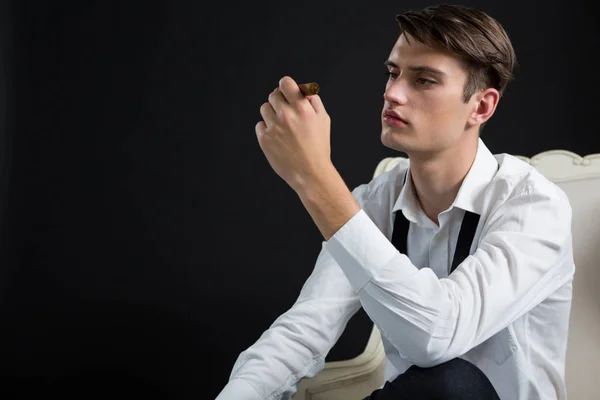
x=295, y=134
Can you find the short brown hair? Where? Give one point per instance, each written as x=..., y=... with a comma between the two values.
x=472, y=35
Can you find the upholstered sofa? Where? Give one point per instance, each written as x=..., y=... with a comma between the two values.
x=579, y=177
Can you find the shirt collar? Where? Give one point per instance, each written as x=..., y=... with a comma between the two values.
x=407, y=201
x=470, y=196
x=471, y=192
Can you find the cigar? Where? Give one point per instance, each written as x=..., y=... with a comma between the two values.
x=308, y=89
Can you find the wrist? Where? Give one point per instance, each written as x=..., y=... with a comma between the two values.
x=319, y=179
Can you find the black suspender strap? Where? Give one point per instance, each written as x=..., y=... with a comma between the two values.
x=400, y=232
x=465, y=236
x=401, y=225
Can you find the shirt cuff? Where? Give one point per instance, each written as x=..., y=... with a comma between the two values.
x=239, y=389
x=361, y=249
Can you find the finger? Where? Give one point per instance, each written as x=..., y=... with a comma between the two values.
x=291, y=90
x=260, y=129
x=278, y=101
x=268, y=114
x=317, y=104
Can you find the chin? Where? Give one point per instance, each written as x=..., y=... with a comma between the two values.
x=394, y=140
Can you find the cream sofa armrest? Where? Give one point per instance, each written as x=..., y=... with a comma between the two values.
x=350, y=379
x=387, y=164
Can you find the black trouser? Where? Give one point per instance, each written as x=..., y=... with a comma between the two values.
x=456, y=379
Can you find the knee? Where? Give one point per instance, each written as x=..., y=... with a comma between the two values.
x=456, y=370
x=456, y=366
x=454, y=378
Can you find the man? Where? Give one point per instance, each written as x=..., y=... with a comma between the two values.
x=461, y=258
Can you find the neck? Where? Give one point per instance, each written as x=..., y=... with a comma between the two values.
x=438, y=177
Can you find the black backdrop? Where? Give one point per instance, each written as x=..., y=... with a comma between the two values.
x=145, y=239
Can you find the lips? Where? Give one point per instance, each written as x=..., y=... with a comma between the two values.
x=395, y=115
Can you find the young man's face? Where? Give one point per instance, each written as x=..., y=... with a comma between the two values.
x=425, y=88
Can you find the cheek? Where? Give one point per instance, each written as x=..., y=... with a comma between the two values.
x=442, y=109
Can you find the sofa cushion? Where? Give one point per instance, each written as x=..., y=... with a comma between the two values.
x=583, y=349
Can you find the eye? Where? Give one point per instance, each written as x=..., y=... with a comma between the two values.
x=425, y=82
x=391, y=75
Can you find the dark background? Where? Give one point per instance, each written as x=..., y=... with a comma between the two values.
x=145, y=241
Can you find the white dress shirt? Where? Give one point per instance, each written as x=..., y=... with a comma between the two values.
x=505, y=308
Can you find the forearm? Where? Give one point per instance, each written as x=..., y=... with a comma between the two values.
x=274, y=364
x=296, y=344
x=328, y=201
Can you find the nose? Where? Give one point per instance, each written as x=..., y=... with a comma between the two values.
x=395, y=92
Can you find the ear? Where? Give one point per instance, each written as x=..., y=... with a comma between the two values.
x=484, y=103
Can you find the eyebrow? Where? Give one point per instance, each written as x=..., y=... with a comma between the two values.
x=418, y=68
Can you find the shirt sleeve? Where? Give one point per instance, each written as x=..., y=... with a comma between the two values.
x=296, y=344
x=524, y=255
